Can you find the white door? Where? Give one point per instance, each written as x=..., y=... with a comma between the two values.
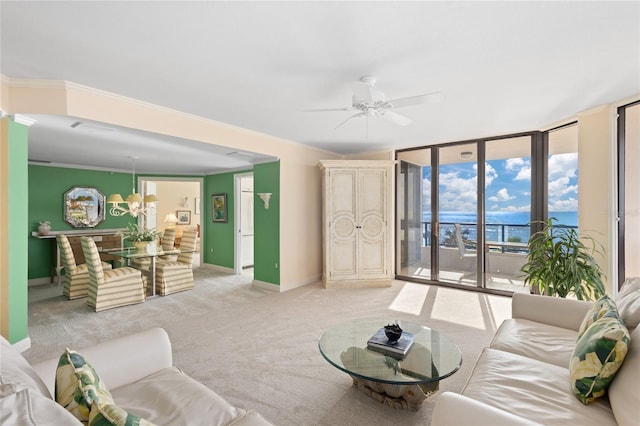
x=247, y=221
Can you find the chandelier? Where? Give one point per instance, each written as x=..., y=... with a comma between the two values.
x=135, y=203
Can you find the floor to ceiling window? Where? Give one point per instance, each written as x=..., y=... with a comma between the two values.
x=507, y=210
x=628, y=195
x=465, y=211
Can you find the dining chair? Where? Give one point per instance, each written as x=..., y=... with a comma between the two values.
x=168, y=242
x=174, y=276
x=110, y=288
x=76, y=277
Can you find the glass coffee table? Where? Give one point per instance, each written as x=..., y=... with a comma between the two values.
x=400, y=383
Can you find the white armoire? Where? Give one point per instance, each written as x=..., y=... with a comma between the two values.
x=357, y=235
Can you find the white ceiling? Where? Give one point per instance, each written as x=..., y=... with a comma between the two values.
x=502, y=67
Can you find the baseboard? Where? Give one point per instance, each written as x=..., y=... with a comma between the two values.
x=23, y=344
x=266, y=286
x=217, y=268
x=39, y=281
x=301, y=283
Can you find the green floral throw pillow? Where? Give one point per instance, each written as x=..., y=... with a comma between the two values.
x=597, y=357
x=72, y=375
x=604, y=306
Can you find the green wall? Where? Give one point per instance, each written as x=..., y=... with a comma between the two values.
x=218, y=242
x=219, y=237
x=18, y=204
x=47, y=186
x=266, y=249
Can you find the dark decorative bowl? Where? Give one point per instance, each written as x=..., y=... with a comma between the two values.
x=393, y=332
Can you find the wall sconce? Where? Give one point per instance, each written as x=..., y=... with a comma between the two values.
x=265, y=197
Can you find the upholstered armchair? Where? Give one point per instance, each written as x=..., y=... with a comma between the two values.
x=110, y=288
x=76, y=277
x=174, y=276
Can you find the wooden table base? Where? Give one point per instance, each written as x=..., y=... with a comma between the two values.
x=401, y=397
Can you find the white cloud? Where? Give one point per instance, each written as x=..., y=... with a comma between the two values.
x=563, y=165
x=568, y=204
x=458, y=193
x=561, y=187
x=524, y=174
x=489, y=174
x=502, y=195
x=526, y=208
x=515, y=164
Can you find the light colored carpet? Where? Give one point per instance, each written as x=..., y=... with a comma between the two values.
x=259, y=349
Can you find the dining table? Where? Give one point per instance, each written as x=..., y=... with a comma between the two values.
x=151, y=252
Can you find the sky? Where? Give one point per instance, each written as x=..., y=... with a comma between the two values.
x=508, y=185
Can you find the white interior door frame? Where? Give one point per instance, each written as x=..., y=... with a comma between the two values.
x=237, y=221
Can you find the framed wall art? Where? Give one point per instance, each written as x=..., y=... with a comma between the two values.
x=184, y=217
x=219, y=211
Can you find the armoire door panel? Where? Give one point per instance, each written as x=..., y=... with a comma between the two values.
x=343, y=260
x=372, y=259
x=372, y=191
x=343, y=192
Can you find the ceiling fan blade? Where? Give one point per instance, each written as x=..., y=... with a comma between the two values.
x=428, y=98
x=396, y=118
x=360, y=114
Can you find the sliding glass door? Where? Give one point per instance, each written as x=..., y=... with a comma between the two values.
x=458, y=214
x=507, y=211
x=413, y=231
x=464, y=211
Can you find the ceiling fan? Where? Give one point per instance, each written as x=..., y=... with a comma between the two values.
x=370, y=102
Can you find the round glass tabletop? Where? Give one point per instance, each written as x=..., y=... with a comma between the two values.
x=431, y=357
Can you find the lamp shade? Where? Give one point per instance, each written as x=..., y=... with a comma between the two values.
x=171, y=218
x=151, y=198
x=134, y=198
x=115, y=199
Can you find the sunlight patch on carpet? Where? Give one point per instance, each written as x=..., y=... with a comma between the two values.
x=410, y=299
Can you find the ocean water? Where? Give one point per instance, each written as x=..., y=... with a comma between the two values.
x=501, y=226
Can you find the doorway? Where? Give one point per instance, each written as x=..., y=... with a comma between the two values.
x=244, y=230
x=179, y=206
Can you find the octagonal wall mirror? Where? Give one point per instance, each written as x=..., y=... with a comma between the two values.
x=84, y=207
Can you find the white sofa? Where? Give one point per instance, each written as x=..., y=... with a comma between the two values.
x=523, y=377
x=139, y=373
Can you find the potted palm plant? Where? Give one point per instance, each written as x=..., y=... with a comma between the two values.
x=139, y=236
x=559, y=263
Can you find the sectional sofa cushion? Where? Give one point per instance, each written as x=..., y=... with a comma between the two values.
x=598, y=355
x=531, y=389
x=169, y=397
x=602, y=307
x=107, y=413
x=628, y=301
x=536, y=340
x=20, y=405
x=14, y=369
x=623, y=392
